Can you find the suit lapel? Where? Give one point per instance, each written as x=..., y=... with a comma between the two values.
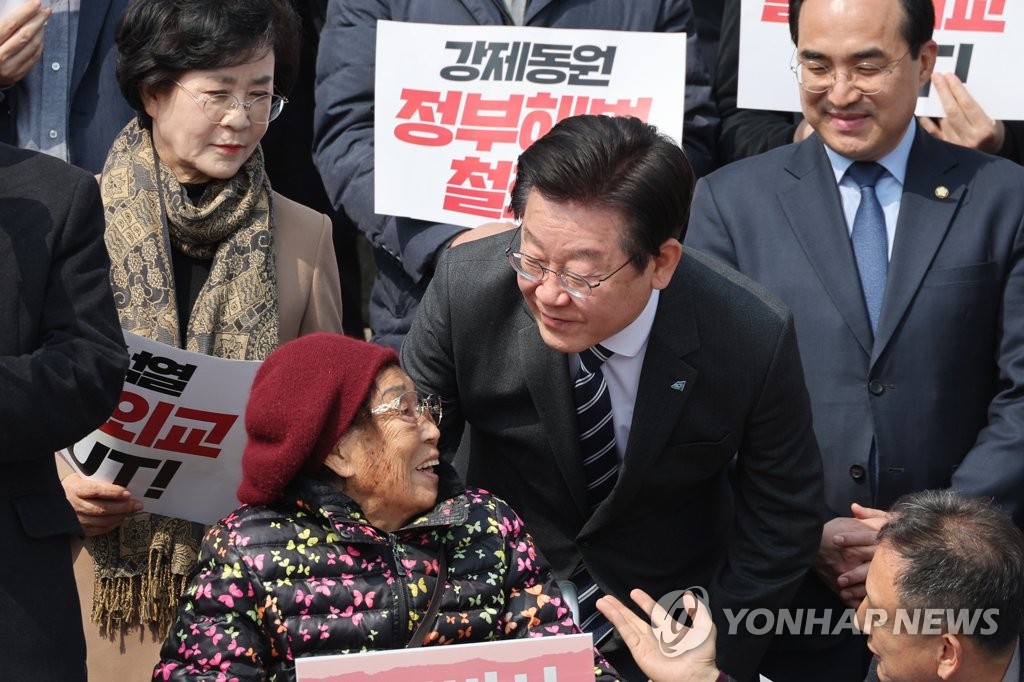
x=922, y=225
x=90, y=21
x=814, y=210
x=547, y=378
x=666, y=382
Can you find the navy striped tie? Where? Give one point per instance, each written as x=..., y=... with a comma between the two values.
x=600, y=469
x=596, y=429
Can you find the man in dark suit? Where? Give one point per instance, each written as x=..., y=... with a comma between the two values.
x=908, y=295
x=65, y=101
x=62, y=361
x=715, y=476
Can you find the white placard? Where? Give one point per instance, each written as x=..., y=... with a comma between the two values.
x=455, y=105
x=177, y=434
x=979, y=40
x=561, y=658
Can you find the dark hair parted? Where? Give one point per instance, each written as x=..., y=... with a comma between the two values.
x=918, y=22
x=960, y=553
x=620, y=163
x=158, y=40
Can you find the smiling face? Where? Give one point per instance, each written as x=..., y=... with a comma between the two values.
x=841, y=34
x=196, y=149
x=388, y=464
x=587, y=241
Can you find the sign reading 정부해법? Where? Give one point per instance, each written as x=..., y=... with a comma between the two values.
x=450, y=124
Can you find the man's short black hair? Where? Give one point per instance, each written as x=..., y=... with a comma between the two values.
x=962, y=554
x=620, y=163
x=917, y=28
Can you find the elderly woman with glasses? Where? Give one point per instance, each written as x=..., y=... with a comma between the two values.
x=204, y=256
x=353, y=535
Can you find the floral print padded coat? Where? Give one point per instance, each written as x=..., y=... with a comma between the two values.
x=309, y=576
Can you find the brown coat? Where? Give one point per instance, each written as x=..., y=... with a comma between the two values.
x=309, y=300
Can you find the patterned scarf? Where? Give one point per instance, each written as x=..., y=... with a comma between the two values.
x=142, y=567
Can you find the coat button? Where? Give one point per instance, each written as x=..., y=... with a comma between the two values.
x=856, y=472
x=585, y=543
x=876, y=388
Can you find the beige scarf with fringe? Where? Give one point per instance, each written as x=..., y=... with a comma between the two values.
x=143, y=566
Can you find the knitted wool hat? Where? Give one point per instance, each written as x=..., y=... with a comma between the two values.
x=303, y=400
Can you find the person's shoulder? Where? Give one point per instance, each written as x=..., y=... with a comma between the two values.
x=763, y=165
x=988, y=169
x=715, y=288
x=291, y=215
x=29, y=165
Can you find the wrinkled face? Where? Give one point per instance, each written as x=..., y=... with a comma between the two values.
x=902, y=656
x=841, y=34
x=587, y=241
x=388, y=467
x=196, y=149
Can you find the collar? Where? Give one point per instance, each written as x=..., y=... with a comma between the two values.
x=630, y=341
x=895, y=161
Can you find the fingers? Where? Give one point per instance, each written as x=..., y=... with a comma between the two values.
x=630, y=627
x=100, y=506
x=21, y=41
x=861, y=513
x=861, y=538
x=931, y=126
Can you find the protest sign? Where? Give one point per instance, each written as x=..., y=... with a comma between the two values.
x=177, y=434
x=451, y=121
x=979, y=40
x=564, y=658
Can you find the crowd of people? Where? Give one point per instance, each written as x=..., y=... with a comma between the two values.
x=783, y=361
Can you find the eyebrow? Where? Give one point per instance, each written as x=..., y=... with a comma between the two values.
x=394, y=391
x=231, y=80
x=869, y=53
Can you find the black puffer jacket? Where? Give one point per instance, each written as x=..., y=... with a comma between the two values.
x=310, y=576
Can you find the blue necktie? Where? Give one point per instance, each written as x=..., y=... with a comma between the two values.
x=600, y=470
x=871, y=249
x=870, y=241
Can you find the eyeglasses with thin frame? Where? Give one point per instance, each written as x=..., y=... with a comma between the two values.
x=410, y=406
x=866, y=78
x=262, y=109
x=532, y=270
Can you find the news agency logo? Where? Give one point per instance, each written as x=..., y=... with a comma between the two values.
x=674, y=624
x=677, y=630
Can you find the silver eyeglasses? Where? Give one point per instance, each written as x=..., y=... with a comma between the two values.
x=531, y=269
x=410, y=406
x=866, y=78
x=262, y=109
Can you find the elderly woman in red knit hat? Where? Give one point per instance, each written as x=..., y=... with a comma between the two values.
x=353, y=535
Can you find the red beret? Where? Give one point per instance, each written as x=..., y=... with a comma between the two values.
x=303, y=399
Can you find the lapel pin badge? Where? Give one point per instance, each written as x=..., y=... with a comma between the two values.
x=678, y=386
x=942, y=192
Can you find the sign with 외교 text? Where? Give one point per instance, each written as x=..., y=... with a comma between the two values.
x=561, y=658
x=979, y=40
x=450, y=123
x=177, y=434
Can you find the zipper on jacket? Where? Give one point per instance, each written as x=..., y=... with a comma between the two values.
x=401, y=585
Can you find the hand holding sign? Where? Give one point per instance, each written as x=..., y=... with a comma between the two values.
x=21, y=38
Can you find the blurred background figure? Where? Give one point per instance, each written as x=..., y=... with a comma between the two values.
x=230, y=268
x=60, y=93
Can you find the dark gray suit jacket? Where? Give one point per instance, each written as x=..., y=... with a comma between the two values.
x=721, y=378
x=941, y=387
x=62, y=361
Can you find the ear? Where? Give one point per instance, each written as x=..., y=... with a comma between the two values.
x=342, y=459
x=929, y=52
x=665, y=262
x=149, y=100
x=950, y=656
